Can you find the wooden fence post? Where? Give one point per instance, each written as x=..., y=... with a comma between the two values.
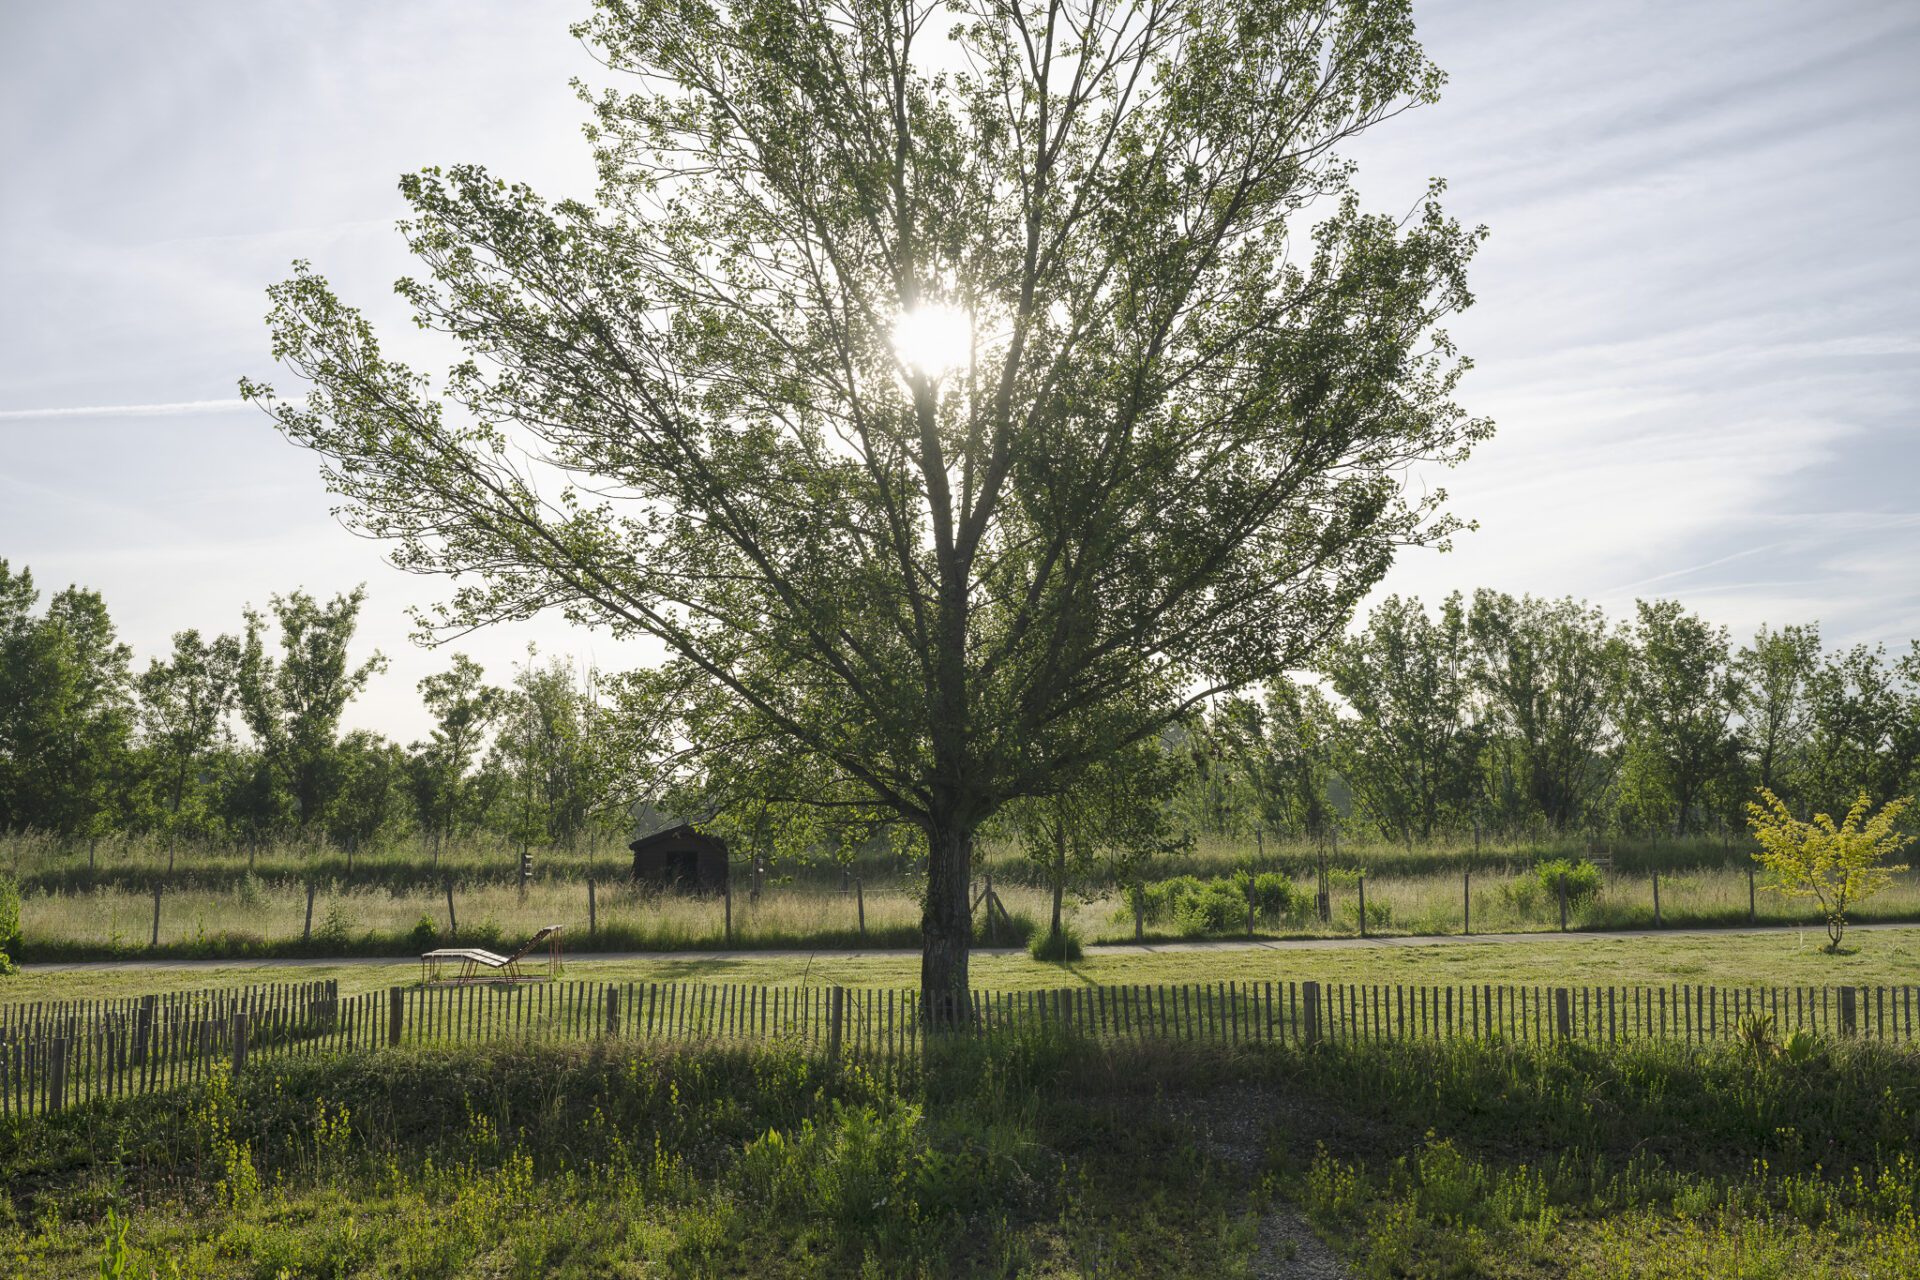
x=1310, y=1011
x=1562, y=1014
x=1249, y=904
x=1849, y=1011
x=1466, y=900
x=453, y=921
x=156, y=914
x=836, y=1004
x=1561, y=885
x=239, y=1042
x=57, y=1075
x=306, y=930
x=1363, y=906
x=593, y=914
x=1656, y=897
x=860, y=904
x=396, y=1013
x=1139, y=896
x=143, y=1029
x=613, y=1009
x=993, y=925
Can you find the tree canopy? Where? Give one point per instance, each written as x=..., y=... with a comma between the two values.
x=1165, y=453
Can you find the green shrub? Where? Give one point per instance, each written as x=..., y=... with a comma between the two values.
x=9, y=922
x=423, y=936
x=332, y=929
x=1194, y=907
x=1379, y=914
x=1580, y=881
x=1277, y=898
x=1057, y=947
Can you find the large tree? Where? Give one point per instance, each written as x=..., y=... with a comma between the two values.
x=184, y=704
x=959, y=393
x=1774, y=674
x=1550, y=674
x=1285, y=749
x=66, y=710
x=1863, y=711
x=293, y=703
x=1681, y=692
x=1411, y=747
x=464, y=706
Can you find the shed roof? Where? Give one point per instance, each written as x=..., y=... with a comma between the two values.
x=678, y=830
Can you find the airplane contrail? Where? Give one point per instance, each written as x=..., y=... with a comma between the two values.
x=126, y=410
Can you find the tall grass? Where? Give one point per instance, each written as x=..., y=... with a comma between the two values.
x=1502, y=902
x=266, y=918
x=1211, y=855
x=136, y=861
x=229, y=903
x=1035, y=1155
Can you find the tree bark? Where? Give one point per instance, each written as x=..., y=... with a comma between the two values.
x=1059, y=873
x=946, y=925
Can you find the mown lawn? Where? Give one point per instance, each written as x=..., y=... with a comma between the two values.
x=1035, y=1157
x=1872, y=957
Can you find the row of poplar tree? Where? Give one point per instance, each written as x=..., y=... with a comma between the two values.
x=1518, y=716
x=238, y=739
x=1498, y=714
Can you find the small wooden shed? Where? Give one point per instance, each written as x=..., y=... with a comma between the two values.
x=680, y=857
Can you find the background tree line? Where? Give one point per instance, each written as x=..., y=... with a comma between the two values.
x=1517, y=716
x=237, y=738
x=1512, y=716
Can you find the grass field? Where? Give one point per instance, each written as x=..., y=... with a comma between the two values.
x=1030, y=1157
x=1872, y=957
x=262, y=918
x=135, y=861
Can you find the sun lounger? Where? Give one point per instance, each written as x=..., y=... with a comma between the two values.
x=479, y=965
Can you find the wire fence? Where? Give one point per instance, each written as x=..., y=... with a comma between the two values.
x=63, y=1054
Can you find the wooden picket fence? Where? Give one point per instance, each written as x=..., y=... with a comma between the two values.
x=57, y=1056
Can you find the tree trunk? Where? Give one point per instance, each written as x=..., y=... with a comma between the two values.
x=1059, y=874
x=946, y=926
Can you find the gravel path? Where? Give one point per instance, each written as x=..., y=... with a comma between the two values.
x=1115, y=949
x=1233, y=1127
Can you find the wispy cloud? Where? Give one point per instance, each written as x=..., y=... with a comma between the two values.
x=126, y=410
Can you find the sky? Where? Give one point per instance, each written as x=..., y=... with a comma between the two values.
x=1696, y=323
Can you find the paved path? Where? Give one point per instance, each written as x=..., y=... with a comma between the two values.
x=1114, y=949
